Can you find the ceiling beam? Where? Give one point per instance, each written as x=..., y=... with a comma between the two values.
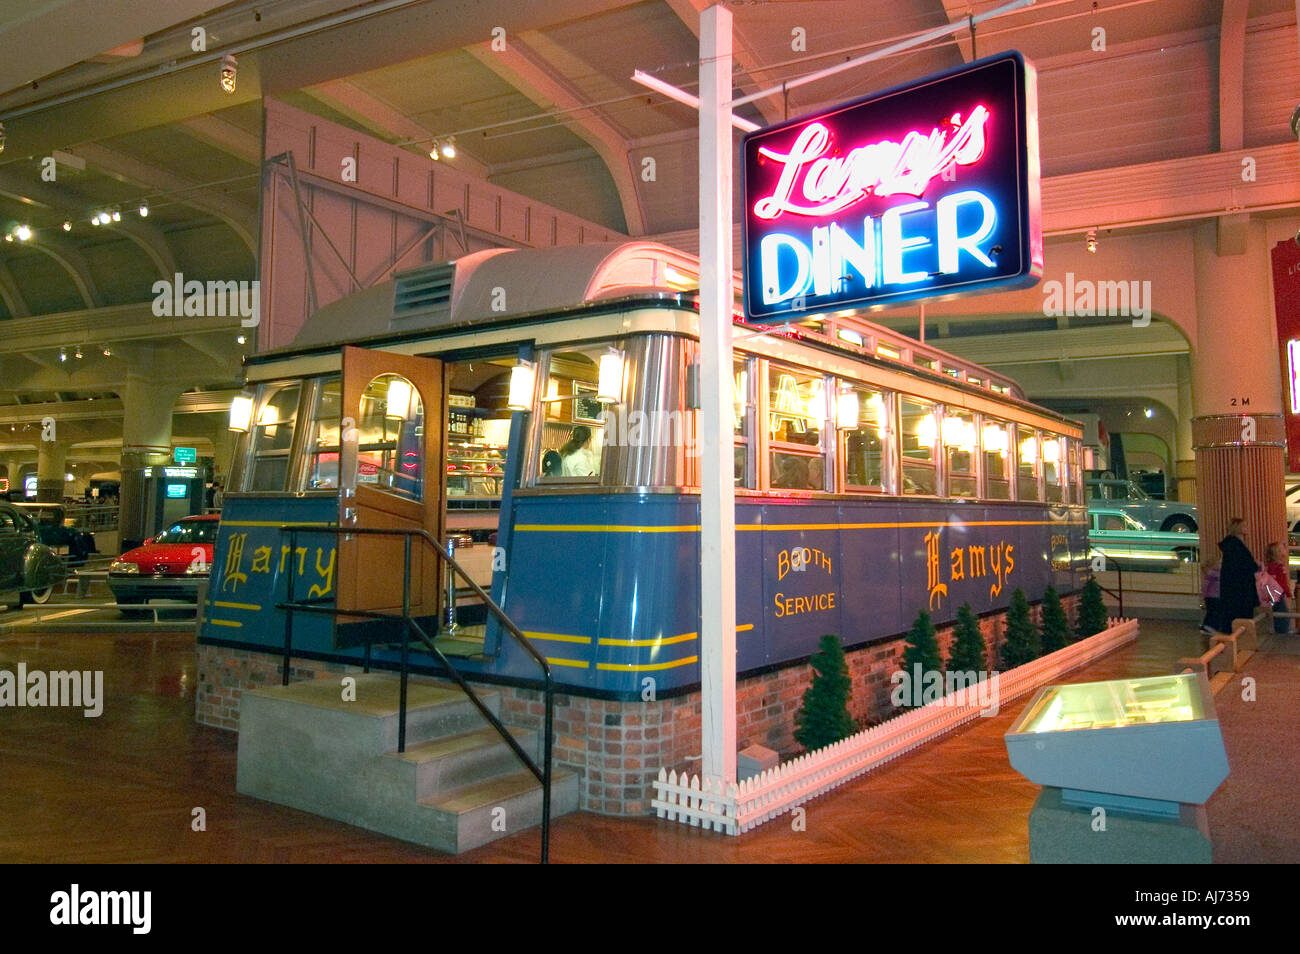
x=152, y=241
x=11, y=295
x=530, y=74
x=229, y=138
x=241, y=217
x=754, y=78
x=1232, y=62
x=383, y=120
x=74, y=263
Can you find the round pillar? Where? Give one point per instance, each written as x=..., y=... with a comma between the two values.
x=146, y=441
x=1237, y=433
x=51, y=471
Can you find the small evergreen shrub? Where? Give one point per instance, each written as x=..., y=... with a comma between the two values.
x=1092, y=610
x=824, y=716
x=968, y=653
x=1056, y=626
x=1023, y=642
x=921, y=649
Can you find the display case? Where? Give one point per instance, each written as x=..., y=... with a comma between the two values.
x=1155, y=738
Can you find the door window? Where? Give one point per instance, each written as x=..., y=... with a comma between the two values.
x=390, y=434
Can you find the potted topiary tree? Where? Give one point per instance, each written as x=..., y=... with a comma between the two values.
x=824, y=716
x=1056, y=627
x=1023, y=642
x=1092, y=610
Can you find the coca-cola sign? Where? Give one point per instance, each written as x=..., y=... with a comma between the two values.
x=928, y=190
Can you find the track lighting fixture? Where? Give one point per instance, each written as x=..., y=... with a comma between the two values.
x=1091, y=241
x=229, y=69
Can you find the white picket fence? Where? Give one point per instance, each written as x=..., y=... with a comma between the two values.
x=742, y=806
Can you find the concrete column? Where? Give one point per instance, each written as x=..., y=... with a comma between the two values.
x=1238, y=432
x=51, y=471
x=147, y=403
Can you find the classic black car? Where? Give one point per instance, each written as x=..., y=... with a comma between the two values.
x=28, y=567
x=52, y=528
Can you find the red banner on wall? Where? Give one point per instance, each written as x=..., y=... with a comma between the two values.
x=1286, y=305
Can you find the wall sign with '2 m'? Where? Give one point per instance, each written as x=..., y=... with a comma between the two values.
x=928, y=190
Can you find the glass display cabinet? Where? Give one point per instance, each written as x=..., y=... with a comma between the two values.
x=1143, y=745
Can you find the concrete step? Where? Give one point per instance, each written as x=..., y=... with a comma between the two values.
x=369, y=723
x=454, y=761
x=458, y=785
x=476, y=814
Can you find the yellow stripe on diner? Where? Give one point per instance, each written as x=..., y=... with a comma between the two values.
x=601, y=528
x=598, y=528
x=684, y=637
x=648, y=667
x=275, y=523
x=576, y=663
x=242, y=606
x=225, y=622
x=557, y=637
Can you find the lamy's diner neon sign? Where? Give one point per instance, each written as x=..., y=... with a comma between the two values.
x=924, y=191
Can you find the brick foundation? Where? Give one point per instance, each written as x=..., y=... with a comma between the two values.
x=619, y=747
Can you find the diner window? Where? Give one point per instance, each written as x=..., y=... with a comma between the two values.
x=1027, y=474
x=272, y=437
x=323, y=441
x=797, y=415
x=743, y=394
x=885, y=351
x=918, y=439
x=997, y=459
x=1076, y=472
x=863, y=444
x=573, y=425
x=478, y=430
x=922, y=361
x=1054, y=469
x=959, y=448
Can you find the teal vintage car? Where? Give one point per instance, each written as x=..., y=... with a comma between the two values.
x=1122, y=541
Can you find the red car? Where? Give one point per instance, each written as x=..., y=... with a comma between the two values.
x=167, y=566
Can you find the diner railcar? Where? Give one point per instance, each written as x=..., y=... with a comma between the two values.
x=875, y=476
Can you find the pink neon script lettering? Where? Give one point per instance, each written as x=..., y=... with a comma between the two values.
x=833, y=183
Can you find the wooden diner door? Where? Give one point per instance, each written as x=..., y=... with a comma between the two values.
x=391, y=466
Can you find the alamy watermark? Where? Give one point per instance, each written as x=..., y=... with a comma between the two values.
x=951, y=688
x=179, y=298
x=1089, y=299
x=650, y=429
x=77, y=689
x=76, y=907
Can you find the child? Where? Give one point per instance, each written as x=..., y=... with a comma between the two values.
x=1210, y=593
x=1275, y=563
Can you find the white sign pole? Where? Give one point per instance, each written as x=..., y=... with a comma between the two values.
x=716, y=437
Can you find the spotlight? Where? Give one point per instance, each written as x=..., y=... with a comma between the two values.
x=23, y=233
x=9, y=236
x=117, y=214
x=107, y=352
x=63, y=355
x=433, y=151
x=78, y=354
x=1091, y=241
x=1148, y=412
x=449, y=148
x=67, y=226
x=241, y=339
x=144, y=209
x=229, y=67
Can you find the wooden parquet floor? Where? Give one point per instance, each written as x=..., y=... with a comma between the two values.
x=122, y=787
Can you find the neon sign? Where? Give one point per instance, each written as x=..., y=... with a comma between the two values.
x=924, y=191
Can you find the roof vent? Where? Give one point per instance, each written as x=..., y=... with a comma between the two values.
x=423, y=288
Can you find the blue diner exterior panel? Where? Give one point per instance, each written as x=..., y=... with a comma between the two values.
x=606, y=585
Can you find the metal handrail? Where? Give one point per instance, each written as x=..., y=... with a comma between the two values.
x=290, y=606
x=1119, y=572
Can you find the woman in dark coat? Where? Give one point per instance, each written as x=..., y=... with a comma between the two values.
x=1237, y=596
